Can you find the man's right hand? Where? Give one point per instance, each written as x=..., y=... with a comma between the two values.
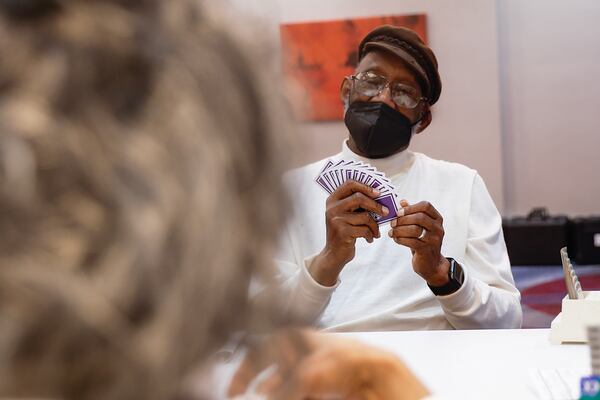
x=347, y=219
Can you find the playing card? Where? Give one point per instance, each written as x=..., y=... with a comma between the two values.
x=388, y=201
x=321, y=179
x=334, y=174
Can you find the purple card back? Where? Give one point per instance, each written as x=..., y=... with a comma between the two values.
x=321, y=182
x=335, y=174
x=388, y=201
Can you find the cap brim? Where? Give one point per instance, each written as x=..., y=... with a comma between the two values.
x=402, y=54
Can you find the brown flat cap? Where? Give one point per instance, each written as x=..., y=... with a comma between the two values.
x=407, y=45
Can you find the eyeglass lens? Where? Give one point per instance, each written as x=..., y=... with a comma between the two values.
x=370, y=84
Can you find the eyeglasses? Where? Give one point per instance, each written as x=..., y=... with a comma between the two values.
x=370, y=84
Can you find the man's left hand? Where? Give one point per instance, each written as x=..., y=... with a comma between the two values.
x=420, y=229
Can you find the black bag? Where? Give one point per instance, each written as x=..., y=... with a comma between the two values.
x=584, y=240
x=536, y=239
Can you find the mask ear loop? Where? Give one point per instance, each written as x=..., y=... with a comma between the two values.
x=417, y=124
x=415, y=128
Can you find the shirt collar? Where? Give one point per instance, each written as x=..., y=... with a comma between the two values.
x=395, y=164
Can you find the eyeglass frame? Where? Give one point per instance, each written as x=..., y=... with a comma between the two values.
x=352, y=78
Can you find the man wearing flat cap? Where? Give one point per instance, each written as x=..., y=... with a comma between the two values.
x=442, y=263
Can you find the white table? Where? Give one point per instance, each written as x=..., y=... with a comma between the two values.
x=479, y=364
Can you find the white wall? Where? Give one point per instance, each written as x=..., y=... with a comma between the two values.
x=463, y=34
x=550, y=91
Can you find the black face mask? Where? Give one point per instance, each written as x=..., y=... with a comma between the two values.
x=377, y=129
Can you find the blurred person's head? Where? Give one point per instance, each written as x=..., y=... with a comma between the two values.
x=139, y=193
x=388, y=98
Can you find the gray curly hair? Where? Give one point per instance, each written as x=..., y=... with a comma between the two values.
x=139, y=194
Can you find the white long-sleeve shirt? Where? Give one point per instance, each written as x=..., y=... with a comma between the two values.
x=378, y=289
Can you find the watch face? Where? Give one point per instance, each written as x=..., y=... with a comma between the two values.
x=456, y=272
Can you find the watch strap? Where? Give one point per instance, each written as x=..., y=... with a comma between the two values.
x=456, y=278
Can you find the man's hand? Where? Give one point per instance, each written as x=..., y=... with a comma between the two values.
x=420, y=229
x=347, y=219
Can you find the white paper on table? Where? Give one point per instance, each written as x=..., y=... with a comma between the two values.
x=557, y=384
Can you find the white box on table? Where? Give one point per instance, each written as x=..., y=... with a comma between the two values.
x=570, y=325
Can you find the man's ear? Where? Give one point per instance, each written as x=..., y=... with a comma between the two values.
x=345, y=88
x=425, y=120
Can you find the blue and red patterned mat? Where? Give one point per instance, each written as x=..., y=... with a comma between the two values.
x=543, y=288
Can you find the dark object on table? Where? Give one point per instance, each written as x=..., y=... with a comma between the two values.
x=537, y=238
x=584, y=240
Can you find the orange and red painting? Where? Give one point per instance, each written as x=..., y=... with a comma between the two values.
x=317, y=56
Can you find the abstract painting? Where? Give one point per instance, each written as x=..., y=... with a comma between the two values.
x=316, y=56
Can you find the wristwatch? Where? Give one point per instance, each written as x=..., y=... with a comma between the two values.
x=456, y=276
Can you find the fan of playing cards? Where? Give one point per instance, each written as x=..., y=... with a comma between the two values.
x=335, y=174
